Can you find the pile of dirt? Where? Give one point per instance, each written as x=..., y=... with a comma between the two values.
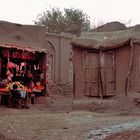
x=126, y=135
x=120, y=104
x=111, y=26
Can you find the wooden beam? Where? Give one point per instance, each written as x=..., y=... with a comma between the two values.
x=130, y=67
x=100, y=75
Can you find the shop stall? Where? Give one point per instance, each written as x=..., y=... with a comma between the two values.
x=23, y=57
x=23, y=67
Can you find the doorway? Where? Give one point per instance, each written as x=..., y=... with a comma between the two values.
x=91, y=75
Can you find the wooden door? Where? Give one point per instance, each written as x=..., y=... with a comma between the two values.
x=109, y=73
x=90, y=68
x=92, y=81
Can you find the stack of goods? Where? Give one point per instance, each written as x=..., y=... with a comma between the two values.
x=38, y=87
x=9, y=86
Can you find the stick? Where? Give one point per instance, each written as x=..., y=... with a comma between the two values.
x=130, y=67
x=100, y=75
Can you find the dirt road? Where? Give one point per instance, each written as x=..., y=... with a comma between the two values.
x=56, y=120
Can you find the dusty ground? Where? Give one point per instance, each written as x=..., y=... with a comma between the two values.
x=61, y=118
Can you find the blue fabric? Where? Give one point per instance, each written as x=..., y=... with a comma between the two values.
x=22, y=93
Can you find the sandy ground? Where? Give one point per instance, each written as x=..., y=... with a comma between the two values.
x=62, y=118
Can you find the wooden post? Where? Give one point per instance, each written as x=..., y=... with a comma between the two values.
x=100, y=75
x=130, y=67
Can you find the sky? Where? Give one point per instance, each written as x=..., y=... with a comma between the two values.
x=26, y=11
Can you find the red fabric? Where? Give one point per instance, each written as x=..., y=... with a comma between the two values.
x=29, y=90
x=4, y=90
x=10, y=65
